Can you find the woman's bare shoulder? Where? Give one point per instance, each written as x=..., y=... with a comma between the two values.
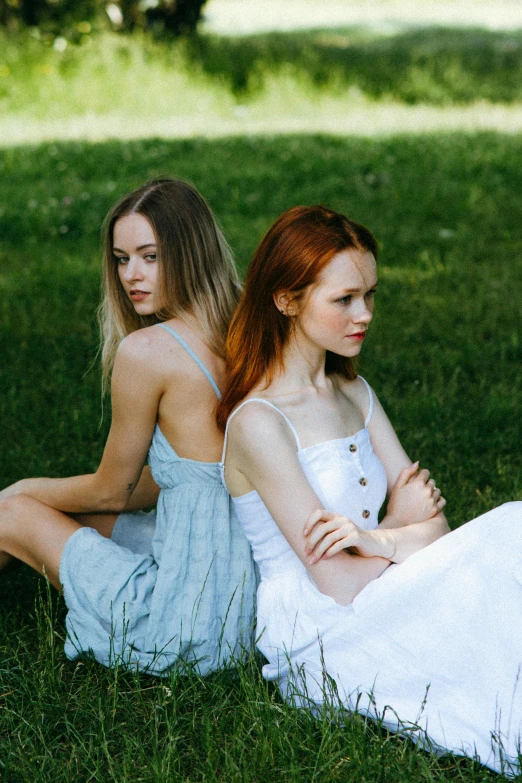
x=255, y=421
x=355, y=389
x=156, y=349
x=142, y=346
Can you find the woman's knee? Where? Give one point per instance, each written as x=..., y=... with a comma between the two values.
x=16, y=509
x=15, y=505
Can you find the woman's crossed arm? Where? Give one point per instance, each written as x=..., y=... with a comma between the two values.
x=414, y=515
x=262, y=456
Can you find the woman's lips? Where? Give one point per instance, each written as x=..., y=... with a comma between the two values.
x=139, y=296
x=357, y=335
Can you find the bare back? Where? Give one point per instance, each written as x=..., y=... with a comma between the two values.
x=186, y=413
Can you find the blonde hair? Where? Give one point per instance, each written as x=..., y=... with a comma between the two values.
x=197, y=274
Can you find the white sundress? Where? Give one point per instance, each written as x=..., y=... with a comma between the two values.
x=432, y=647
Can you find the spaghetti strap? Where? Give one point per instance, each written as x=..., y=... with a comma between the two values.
x=370, y=395
x=194, y=356
x=270, y=405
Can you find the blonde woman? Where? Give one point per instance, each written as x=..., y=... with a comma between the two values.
x=177, y=588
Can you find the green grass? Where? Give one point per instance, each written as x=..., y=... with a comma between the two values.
x=339, y=81
x=430, y=65
x=63, y=722
x=444, y=356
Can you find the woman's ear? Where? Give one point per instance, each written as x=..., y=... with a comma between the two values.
x=281, y=301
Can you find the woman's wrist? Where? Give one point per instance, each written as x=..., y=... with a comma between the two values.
x=390, y=521
x=390, y=545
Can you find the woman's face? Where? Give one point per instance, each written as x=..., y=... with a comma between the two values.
x=339, y=308
x=134, y=248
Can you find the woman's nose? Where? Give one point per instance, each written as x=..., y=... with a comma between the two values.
x=133, y=270
x=364, y=314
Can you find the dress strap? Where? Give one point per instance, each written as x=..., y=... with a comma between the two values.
x=194, y=356
x=370, y=395
x=270, y=405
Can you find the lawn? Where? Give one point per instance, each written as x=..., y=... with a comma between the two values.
x=443, y=355
x=348, y=80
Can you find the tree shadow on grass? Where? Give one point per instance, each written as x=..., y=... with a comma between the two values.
x=430, y=65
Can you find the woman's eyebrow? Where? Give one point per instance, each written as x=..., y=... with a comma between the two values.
x=141, y=247
x=358, y=290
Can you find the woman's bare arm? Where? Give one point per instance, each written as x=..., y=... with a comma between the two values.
x=262, y=456
x=414, y=516
x=137, y=387
x=389, y=450
x=145, y=494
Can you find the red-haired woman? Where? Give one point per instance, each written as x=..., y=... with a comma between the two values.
x=410, y=625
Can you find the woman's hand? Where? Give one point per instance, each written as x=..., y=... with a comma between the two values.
x=328, y=533
x=414, y=498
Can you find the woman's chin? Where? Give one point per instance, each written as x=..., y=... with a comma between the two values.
x=144, y=308
x=349, y=352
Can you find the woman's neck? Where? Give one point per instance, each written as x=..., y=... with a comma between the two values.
x=303, y=367
x=187, y=319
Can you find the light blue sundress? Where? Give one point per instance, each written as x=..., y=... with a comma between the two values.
x=175, y=587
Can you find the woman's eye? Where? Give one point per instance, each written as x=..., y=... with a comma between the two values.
x=345, y=299
x=150, y=257
x=371, y=294
x=121, y=259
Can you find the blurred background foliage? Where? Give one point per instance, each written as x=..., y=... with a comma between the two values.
x=45, y=39
x=206, y=84
x=439, y=66
x=73, y=18
x=128, y=69
x=435, y=65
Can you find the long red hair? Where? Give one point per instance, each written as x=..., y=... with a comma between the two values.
x=290, y=257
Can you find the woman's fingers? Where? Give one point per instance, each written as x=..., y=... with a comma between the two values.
x=441, y=502
x=365, y=543
x=334, y=542
x=321, y=530
x=334, y=529
x=343, y=543
x=325, y=543
x=406, y=474
x=325, y=529
x=423, y=475
x=320, y=515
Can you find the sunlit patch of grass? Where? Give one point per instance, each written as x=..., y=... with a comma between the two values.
x=228, y=17
x=272, y=113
